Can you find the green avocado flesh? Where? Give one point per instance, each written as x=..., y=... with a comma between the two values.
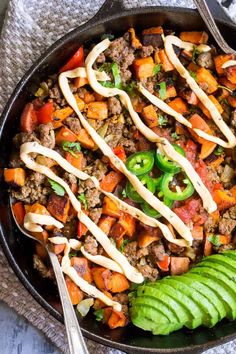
x=202, y=296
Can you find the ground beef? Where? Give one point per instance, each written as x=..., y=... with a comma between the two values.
x=73, y=124
x=81, y=92
x=114, y=134
x=47, y=135
x=125, y=75
x=57, y=96
x=93, y=198
x=129, y=145
x=233, y=119
x=175, y=248
x=69, y=178
x=230, y=246
x=91, y=245
x=148, y=272
x=98, y=169
x=228, y=221
x=114, y=106
x=123, y=299
x=101, y=59
x=205, y=60
x=15, y=161
x=146, y=51
x=157, y=251
x=210, y=224
x=34, y=190
x=121, y=52
x=41, y=268
x=95, y=214
x=130, y=251
x=22, y=138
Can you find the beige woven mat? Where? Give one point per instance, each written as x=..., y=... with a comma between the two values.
x=30, y=27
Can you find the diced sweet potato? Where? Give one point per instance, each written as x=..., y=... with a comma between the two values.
x=58, y=207
x=150, y=116
x=220, y=60
x=206, y=81
x=80, y=81
x=110, y=208
x=76, y=295
x=225, y=82
x=192, y=66
x=194, y=37
x=145, y=238
x=135, y=42
x=179, y=265
x=19, y=212
x=106, y=223
x=59, y=115
x=37, y=208
x=233, y=191
x=163, y=60
x=231, y=73
x=128, y=222
x=57, y=249
x=97, y=110
x=85, y=139
x=98, y=304
x=190, y=97
x=169, y=93
x=232, y=101
x=197, y=232
x=65, y=134
x=113, y=318
x=179, y=105
x=15, y=176
x=138, y=104
x=215, y=161
x=78, y=161
x=216, y=103
x=118, y=283
x=208, y=247
x=89, y=97
x=102, y=277
x=224, y=199
x=153, y=30
x=143, y=67
x=117, y=233
x=111, y=180
x=81, y=266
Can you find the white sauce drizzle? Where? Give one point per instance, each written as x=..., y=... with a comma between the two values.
x=81, y=72
x=32, y=219
x=228, y=63
x=163, y=144
x=130, y=272
x=216, y=116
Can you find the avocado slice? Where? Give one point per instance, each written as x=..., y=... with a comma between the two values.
x=211, y=315
x=192, y=281
x=229, y=295
x=145, y=317
x=181, y=315
x=195, y=315
x=227, y=262
x=230, y=254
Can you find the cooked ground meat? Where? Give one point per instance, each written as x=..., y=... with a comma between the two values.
x=205, y=60
x=114, y=106
x=123, y=299
x=15, y=160
x=73, y=124
x=95, y=214
x=93, y=198
x=41, y=268
x=228, y=221
x=114, y=134
x=81, y=92
x=230, y=246
x=121, y=52
x=101, y=59
x=210, y=224
x=69, y=178
x=130, y=251
x=148, y=272
x=157, y=251
x=233, y=119
x=22, y=138
x=91, y=245
x=34, y=190
x=146, y=51
x=125, y=74
x=47, y=135
x=175, y=248
x=57, y=96
x=129, y=145
x=70, y=229
x=98, y=170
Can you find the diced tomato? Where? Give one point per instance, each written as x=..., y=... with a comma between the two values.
x=164, y=264
x=119, y=151
x=75, y=61
x=188, y=210
x=44, y=114
x=28, y=119
x=191, y=151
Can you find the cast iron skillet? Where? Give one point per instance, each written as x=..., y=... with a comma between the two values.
x=18, y=249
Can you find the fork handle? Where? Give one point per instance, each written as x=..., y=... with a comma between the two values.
x=74, y=334
x=211, y=25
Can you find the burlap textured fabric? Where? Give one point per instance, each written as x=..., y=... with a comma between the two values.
x=30, y=27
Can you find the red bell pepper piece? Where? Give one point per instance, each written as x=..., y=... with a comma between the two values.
x=164, y=264
x=119, y=151
x=75, y=61
x=44, y=114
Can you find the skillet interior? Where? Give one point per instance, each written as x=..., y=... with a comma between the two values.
x=19, y=249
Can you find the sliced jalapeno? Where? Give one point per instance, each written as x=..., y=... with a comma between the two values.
x=148, y=210
x=167, y=165
x=140, y=162
x=179, y=193
x=147, y=181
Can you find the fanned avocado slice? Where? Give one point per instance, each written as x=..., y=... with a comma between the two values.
x=149, y=319
x=180, y=313
x=193, y=282
x=195, y=314
x=211, y=315
x=227, y=262
x=229, y=295
x=229, y=254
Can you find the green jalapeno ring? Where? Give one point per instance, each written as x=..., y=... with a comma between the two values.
x=149, y=211
x=178, y=195
x=166, y=165
x=140, y=163
x=147, y=181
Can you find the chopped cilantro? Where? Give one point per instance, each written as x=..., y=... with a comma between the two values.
x=195, y=53
x=156, y=69
x=72, y=254
x=225, y=88
x=105, y=67
x=114, y=69
x=219, y=151
x=122, y=246
x=107, y=36
x=83, y=199
x=215, y=240
x=193, y=74
x=224, y=101
x=123, y=193
x=162, y=90
x=58, y=189
x=162, y=121
x=107, y=84
x=99, y=314
x=131, y=88
x=71, y=148
x=175, y=136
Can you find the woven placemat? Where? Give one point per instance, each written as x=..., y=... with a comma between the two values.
x=30, y=27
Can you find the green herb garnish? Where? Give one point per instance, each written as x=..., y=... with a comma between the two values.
x=107, y=36
x=219, y=151
x=99, y=315
x=83, y=200
x=215, y=240
x=122, y=246
x=193, y=74
x=175, y=136
x=162, y=121
x=72, y=254
x=156, y=69
x=58, y=189
x=131, y=88
x=71, y=147
x=123, y=193
x=162, y=90
x=195, y=53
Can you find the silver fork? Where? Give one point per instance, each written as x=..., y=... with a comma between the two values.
x=211, y=25
x=74, y=334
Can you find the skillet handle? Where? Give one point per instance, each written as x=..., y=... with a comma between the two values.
x=109, y=8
